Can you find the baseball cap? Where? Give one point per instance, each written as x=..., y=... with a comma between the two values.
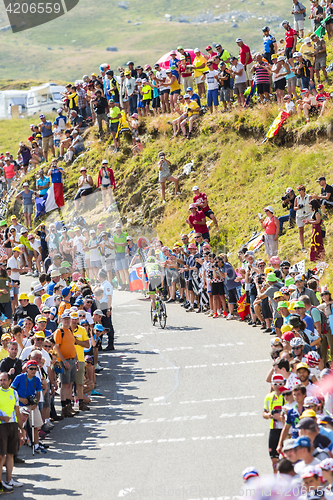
x=321, y=178
x=23, y=230
x=79, y=301
x=98, y=328
x=302, y=365
x=208, y=47
x=277, y=295
x=32, y=362
x=269, y=209
x=307, y=423
x=99, y=312
x=55, y=273
x=65, y=291
x=25, y=410
x=281, y=304
x=288, y=336
x=196, y=50
x=74, y=315
x=249, y=472
x=42, y=319
x=189, y=89
x=45, y=296
x=6, y=336
x=285, y=329
x=309, y=471
x=39, y=335
x=289, y=444
x=195, y=188
x=238, y=40
x=23, y=296
x=65, y=314
x=303, y=442
x=326, y=420
x=118, y=225
x=187, y=96
x=299, y=277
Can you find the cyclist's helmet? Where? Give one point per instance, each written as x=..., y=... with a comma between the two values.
x=297, y=342
x=265, y=28
x=151, y=259
x=313, y=358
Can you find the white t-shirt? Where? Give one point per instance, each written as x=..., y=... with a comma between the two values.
x=36, y=245
x=290, y=107
x=242, y=77
x=14, y=264
x=160, y=75
x=26, y=352
x=212, y=83
x=56, y=132
x=79, y=242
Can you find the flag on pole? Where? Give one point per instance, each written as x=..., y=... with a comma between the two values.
x=276, y=125
x=54, y=198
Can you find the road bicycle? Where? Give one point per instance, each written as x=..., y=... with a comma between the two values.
x=161, y=314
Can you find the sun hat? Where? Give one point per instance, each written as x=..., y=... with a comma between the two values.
x=271, y=277
x=23, y=296
x=269, y=209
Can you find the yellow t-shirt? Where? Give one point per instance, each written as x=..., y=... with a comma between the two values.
x=3, y=353
x=173, y=86
x=80, y=333
x=198, y=61
x=192, y=108
x=146, y=88
x=308, y=52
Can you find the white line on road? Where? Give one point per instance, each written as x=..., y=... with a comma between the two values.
x=214, y=400
x=205, y=366
x=160, y=420
x=180, y=440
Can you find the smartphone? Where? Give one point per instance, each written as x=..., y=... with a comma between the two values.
x=259, y=215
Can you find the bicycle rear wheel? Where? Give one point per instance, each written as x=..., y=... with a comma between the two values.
x=162, y=314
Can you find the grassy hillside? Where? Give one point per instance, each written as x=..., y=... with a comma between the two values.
x=76, y=43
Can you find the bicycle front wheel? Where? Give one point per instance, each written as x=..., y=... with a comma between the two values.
x=162, y=315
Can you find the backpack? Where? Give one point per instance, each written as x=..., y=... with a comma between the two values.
x=325, y=326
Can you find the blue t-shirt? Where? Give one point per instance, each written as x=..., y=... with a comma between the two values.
x=26, y=387
x=328, y=433
x=293, y=420
x=43, y=182
x=46, y=132
x=309, y=322
x=27, y=197
x=60, y=121
x=50, y=288
x=231, y=276
x=56, y=175
x=268, y=42
x=196, y=98
x=173, y=67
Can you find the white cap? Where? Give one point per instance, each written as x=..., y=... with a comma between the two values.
x=118, y=225
x=307, y=40
x=269, y=208
x=196, y=50
x=195, y=188
x=104, y=162
x=280, y=58
x=25, y=184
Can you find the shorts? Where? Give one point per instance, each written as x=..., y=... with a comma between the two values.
x=164, y=91
x=299, y=25
x=28, y=209
x=156, y=102
x=194, y=117
x=217, y=288
x=135, y=133
x=265, y=309
x=82, y=192
x=114, y=127
x=154, y=283
x=206, y=236
x=47, y=142
x=68, y=376
x=182, y=281
x=212, y=97
x=121, y=262
x=239, y=88
x=78, y=149
x=291, y=82
x=209, y=213
x=299, y=220
x=9, y=439
x=273, y=441
x=248, y=71
x=320, y=63
x=289, y=52
x=147, y=102
x=57, y=142
x=38, y=422
x=172, y=276
x=30, y=252
x=190, y=286
x=225, y=95
x=14, y=289
x=109, y=264
x=280, y=84
x=198, y=79
x=175, y=92
x=278, y=323
x=96, y=263
x=47, y=397
x=80, y=373
x=164, y=179
x=233, y=297
x=263, y=87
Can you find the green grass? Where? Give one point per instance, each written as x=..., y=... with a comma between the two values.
x=79, y=39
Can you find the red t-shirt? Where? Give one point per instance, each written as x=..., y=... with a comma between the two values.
x=213, y=54
x=199, y=201
x=289, y=37
x=322, y=97
x=242, y=54
x=198, y=216
x=9, y=171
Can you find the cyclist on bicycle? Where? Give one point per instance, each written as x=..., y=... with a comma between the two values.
x=154, y=275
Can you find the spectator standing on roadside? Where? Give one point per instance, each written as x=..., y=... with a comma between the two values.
x=303, y=212
x=291, y=40
x=298, y=12
x=245, y=59
x=212, y=79
x=262, y=72
x=26, y=195
x=270, y=45
x=45, y=128
x=164, y=175
x=101, y=109
x=43, y=183
x=200, y=67
x=225, y=89
x=184, y=68
x=320, y=55
x=271, y=227
x=85, y=185
x=238, y=73
x=161, y=78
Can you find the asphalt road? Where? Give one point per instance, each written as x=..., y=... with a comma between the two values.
x=180, y=415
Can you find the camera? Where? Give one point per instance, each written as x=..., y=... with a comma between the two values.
x=285, y=197
x=261, y=278
x=301, y=206
x=32, y=400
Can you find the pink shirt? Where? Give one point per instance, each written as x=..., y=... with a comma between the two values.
x=242, y=54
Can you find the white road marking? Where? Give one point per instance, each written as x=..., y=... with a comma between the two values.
x=215, y=400
x=125, y=492
x=204, y=366
x=71, y=426
x=160, y=420
x=180, y=440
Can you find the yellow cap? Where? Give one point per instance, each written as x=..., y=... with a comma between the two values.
x=45, y=296
x=286, y=328
x=308, y=414
x=16, y=249
x=6, y=336
x=23, y=296
x=269, y=270
x=40, y=335
x=41, y=319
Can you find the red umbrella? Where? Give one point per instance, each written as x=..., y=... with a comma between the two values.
x=164, y=60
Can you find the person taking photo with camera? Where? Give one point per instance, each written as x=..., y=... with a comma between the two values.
x=303, y=212
x=288, y=201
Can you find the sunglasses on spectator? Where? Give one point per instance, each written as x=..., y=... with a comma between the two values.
x=287, y=393
x=300, y=190
x=278, y=385
x=34, y=369
x=197, y=237
x=296, y=348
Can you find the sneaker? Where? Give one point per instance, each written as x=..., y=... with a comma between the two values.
x=4, y=488
x=190, y=309
x=13, y=483
x=199, y=310
x=95, y=393
x=215, y=315
x=39, y=449
x=18, y=460
x=29, y=274
x=230, y=316
x=163, y=202
x=210, y=314
x=268, y=330
x=84, y=407
x=170, y=300
x=99, y=367
x=225, y=314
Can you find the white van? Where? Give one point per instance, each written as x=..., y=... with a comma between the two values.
x=13, y=104
x=44, y=98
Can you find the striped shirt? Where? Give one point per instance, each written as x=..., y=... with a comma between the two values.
x=262, y=75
